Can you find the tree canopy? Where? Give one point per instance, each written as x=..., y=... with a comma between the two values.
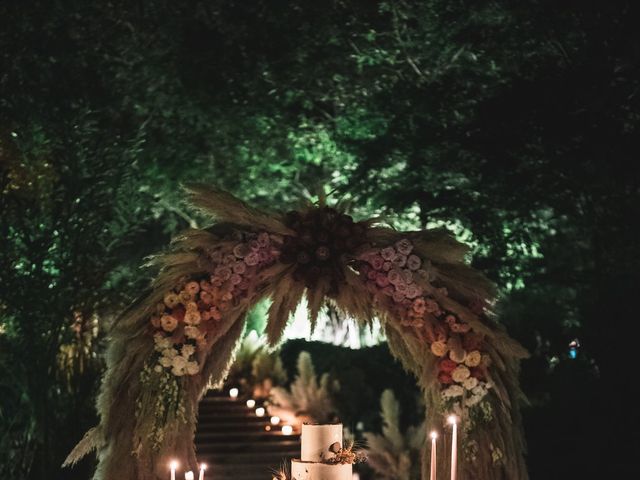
x=514, y=124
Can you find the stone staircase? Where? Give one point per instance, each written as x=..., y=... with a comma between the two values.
x=236, y=444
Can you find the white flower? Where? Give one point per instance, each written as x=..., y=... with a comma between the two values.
x=178, y=372
x=161, y=342
x=453, y=391
x=169, y=352
x=168, y=323
x=188, y=350
x=457, y=354
x=157, y=368
x=439, y=349
x=171, y=300
x=470, y=383
x=473, y=358
x=460, y=374
x=165, y=361
x=192, y=368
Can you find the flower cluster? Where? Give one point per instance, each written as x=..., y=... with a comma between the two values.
x=191, y=312
x=403, y=282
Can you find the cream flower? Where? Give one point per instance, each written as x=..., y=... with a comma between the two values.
x=473, y=400
x=192, y=368
x=168, y=323
x=470, y=383
x=473, y=359
x=460, y=374
x=177, y=372
x=157, y=368
x=457, y=354
x=171, y=300
x=169, y=352
x=192, y=287
x=185, y=297
x=191, y=307
x=178, y=362
x=192, y=318
x=439, y=349
x=191, y=332
x=165, y=361
x=161, y=342
x=188, y=350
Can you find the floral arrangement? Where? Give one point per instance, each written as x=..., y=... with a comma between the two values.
x=180, y=337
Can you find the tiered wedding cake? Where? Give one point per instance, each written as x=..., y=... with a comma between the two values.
x=319, y=444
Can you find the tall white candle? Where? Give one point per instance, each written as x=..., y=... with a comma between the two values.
x=434, y=436
x=173, y=466
x=454, y=446
x=188, y=476
x=203, y=467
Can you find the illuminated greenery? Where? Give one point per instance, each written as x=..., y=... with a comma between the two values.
x=513, y=124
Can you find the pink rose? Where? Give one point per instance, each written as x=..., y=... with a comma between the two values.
x=252, y=259
x=398, y=297
x=419, y=305
x=445, y=378
x=386, y=266
x=400, y=260
x=239, y=268
x=263, y=239
x=235, y=279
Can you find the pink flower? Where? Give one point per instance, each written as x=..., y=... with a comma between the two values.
x=402, y=287
x=395, y=276
x=254, y=245
x=229, y=259
x=376, y=262
x=388, y=253
x=382, y=280
x=224, y=273
x=264, y=256
x=400, y=260
x=235, y=279
x=241, y=250
x=398, y=297
x=386, y=266
x=239, y=268
x=432, y=305
x=244, y=284
x=407, y=276
x=372, y=275
x=192, y=287
x=263, y=239
x=413, y=291
x=252, y=259
x=413, y=262
x=404, y=246
x=388, y=290
x=419, y=305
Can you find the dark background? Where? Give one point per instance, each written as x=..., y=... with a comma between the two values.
x=514, y=124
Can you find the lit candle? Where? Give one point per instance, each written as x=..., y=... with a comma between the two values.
x=233, y=393
x=287, y=429
x=275, y=420
x=260, y=412
x=173, y=465
x=434, y=436
x=188, y=476
x=203, y=467
x=251, y=403
x=454, y=446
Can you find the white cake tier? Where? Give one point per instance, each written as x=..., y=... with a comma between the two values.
x=320, y=471
x=316, y=440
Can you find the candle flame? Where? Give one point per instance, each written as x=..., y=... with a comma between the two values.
x=434, y=435
x=173, y=464
x=203, y=466
x=452, y=419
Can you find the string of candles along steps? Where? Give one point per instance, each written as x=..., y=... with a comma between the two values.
x=237, y=439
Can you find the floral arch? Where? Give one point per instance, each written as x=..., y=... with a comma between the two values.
x=180, y=336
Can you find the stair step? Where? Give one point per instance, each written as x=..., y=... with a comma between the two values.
x=232, y=447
